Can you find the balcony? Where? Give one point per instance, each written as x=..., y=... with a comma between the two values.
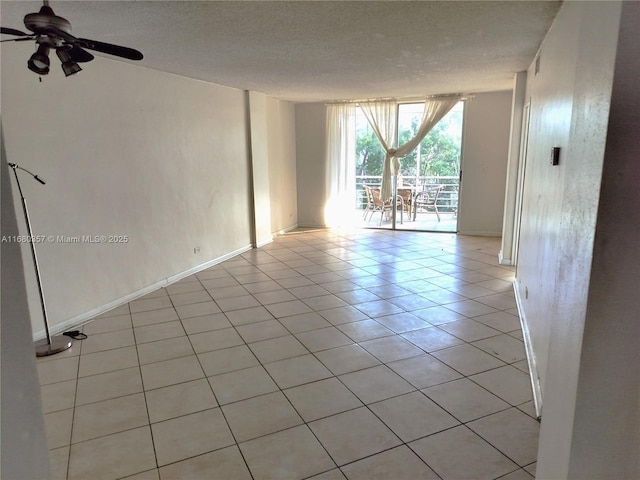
x=425, y=221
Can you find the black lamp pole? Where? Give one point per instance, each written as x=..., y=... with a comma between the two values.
x=51, y=344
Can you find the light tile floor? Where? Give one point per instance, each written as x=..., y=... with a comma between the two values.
x=373, y=354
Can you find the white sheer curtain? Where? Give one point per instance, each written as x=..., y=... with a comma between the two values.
x=383, y=118
x=341, y=165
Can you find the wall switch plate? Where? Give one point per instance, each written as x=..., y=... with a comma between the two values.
x=555, y=156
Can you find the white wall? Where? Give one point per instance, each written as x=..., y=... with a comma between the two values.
x=551, y=96
x=125, y=151
x=274, y=165
x=560, y=202
x=282, y=165
x=24, y=443
x=485, y=153
x=607, y=428
x=311, y=127
x=260, y=168
x=579, y=302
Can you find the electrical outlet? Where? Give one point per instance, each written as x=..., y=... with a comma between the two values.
x=196, y=250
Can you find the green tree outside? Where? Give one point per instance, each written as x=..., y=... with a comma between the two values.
x=439, y=153
x=439, y=150
x=369, y=153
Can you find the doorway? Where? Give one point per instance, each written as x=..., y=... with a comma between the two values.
x=429, y=177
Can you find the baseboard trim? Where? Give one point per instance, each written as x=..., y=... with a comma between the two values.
x=83, y=318
x=285, y=230
x=502, y=260
x=210, y=263
x=531, y=357
x=313, y=225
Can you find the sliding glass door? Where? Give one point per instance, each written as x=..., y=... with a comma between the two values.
x=427, y=185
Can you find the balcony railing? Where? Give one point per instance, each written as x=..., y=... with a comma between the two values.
x=447, y=200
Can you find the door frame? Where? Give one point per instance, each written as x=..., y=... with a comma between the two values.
x=522, y=164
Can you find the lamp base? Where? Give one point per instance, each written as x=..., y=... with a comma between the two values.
x=58, y=344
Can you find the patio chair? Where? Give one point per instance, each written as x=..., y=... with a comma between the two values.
x=406, y=193
x=370, y=208
x=383, y=207
x=427, y=200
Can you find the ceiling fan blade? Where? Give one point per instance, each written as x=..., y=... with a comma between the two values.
x=79, y=44
x=111, y=49
x=13, y=31
x=20, y=39
x=80, y=55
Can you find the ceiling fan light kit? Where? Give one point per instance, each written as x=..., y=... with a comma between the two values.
x=51, y=31
x=39, y=61
x=69, y=67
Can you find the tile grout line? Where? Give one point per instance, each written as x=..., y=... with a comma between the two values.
x=313, y=353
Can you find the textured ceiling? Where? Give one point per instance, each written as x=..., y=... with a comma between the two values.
x=317, y=50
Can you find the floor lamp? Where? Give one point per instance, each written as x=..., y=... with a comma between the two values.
x=51, y=344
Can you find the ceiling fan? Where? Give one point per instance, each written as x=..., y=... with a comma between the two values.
x=53, y=32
